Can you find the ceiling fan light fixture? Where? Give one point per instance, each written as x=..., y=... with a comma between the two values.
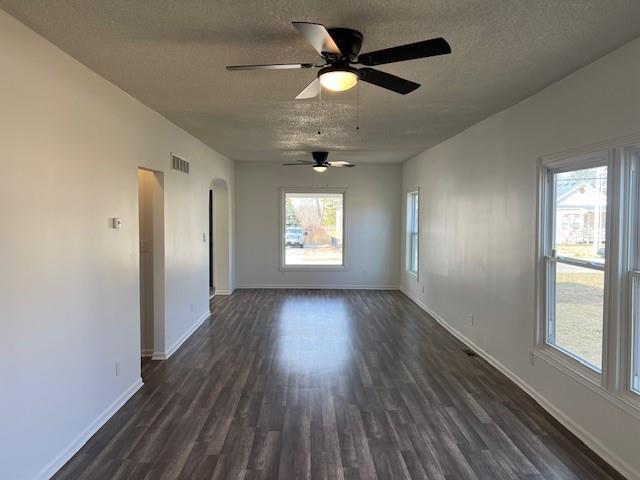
x=319, y=168
x=338, y=79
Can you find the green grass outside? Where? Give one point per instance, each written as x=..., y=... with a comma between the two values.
x=576, y=251
x=579, y=313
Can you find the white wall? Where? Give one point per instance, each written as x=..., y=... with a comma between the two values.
x=478, y=220
x=372, y=216
x=69, y=304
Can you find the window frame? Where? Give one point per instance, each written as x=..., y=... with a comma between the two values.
x=550, y=260
x=622, y=259
x=631, y=358
x=282, y=207
x=409, y=233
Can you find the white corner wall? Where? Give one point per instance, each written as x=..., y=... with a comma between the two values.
x=478, y=230
x=372, y=218
x=69, y=305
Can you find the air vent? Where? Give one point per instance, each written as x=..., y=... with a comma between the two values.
x=180, y=164
x=469, y=352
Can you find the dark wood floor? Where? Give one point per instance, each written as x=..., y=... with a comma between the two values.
x=329, y=384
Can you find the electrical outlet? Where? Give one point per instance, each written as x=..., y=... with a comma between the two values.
x=531, y=357
x=471, y=319
x=117, y=368
x=422, y=288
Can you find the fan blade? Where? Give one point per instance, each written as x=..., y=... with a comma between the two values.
x=411, y=51
x=273, y=66
x=341, y=163
x=388, y=81
x=318, y=36
x=312, y=90
x=300, y=162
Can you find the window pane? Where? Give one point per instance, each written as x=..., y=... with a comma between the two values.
x=414, y=253
x=635, y=370
x=580, y=214
x=579, y=313
x=414, y=222
x=313, y=229
x=412, y=232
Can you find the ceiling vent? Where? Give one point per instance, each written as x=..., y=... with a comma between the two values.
x=180, y=164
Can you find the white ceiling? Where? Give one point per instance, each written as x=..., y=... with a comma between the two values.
x=171, y=55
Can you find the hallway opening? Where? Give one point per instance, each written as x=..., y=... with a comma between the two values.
x=219, y=235
x=151, y=244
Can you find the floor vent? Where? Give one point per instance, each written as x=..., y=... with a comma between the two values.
x=180, y=164
x=469, y=352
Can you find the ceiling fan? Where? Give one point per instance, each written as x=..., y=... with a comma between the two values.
x=340, y=49
x=320, y=163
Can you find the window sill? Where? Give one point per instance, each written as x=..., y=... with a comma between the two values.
x=312, y=268
x=626, y=401
x=568, y=364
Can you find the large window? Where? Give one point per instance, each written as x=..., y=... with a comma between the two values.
x=312, y=230
x=633, y=246
x=576, y=263
x=413, y=199
x=589, y=268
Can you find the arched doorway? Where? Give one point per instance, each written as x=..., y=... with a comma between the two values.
x=220, y=231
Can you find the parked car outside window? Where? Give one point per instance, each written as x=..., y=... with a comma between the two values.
x=294, y=237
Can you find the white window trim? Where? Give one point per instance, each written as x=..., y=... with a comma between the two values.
x=547, y=262
x=314, y=268
x=614, y=383
x=408, y=233
x=631, y=251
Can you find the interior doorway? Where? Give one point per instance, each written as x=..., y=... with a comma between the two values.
x=212, y=285
x=151, y=242
x=220, y=233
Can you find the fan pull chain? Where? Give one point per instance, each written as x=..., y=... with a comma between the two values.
x=319, y=109
x=358, y=106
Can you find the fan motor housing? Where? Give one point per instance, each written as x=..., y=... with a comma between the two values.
x=349, y=41
x=320, y=158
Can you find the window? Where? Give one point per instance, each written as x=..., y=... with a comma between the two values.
x=633, y=243
x=635, y=332
x=576, y=263
x=413, y=213
x=312, y=229
x=589, y=268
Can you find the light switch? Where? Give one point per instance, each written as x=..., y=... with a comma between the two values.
x=116, y=223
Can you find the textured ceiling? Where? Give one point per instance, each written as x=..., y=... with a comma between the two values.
x=171, y=55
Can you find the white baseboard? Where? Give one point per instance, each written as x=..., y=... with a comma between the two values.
x=159, y=356
x=589, y=440
x=223, y=292
x=57, y=463
x=176, y=345
x=146, y=353
x=320, y=287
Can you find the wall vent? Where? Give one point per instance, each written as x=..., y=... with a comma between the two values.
x=180, y=164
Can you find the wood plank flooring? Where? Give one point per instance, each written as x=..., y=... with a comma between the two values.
x=322, y=384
